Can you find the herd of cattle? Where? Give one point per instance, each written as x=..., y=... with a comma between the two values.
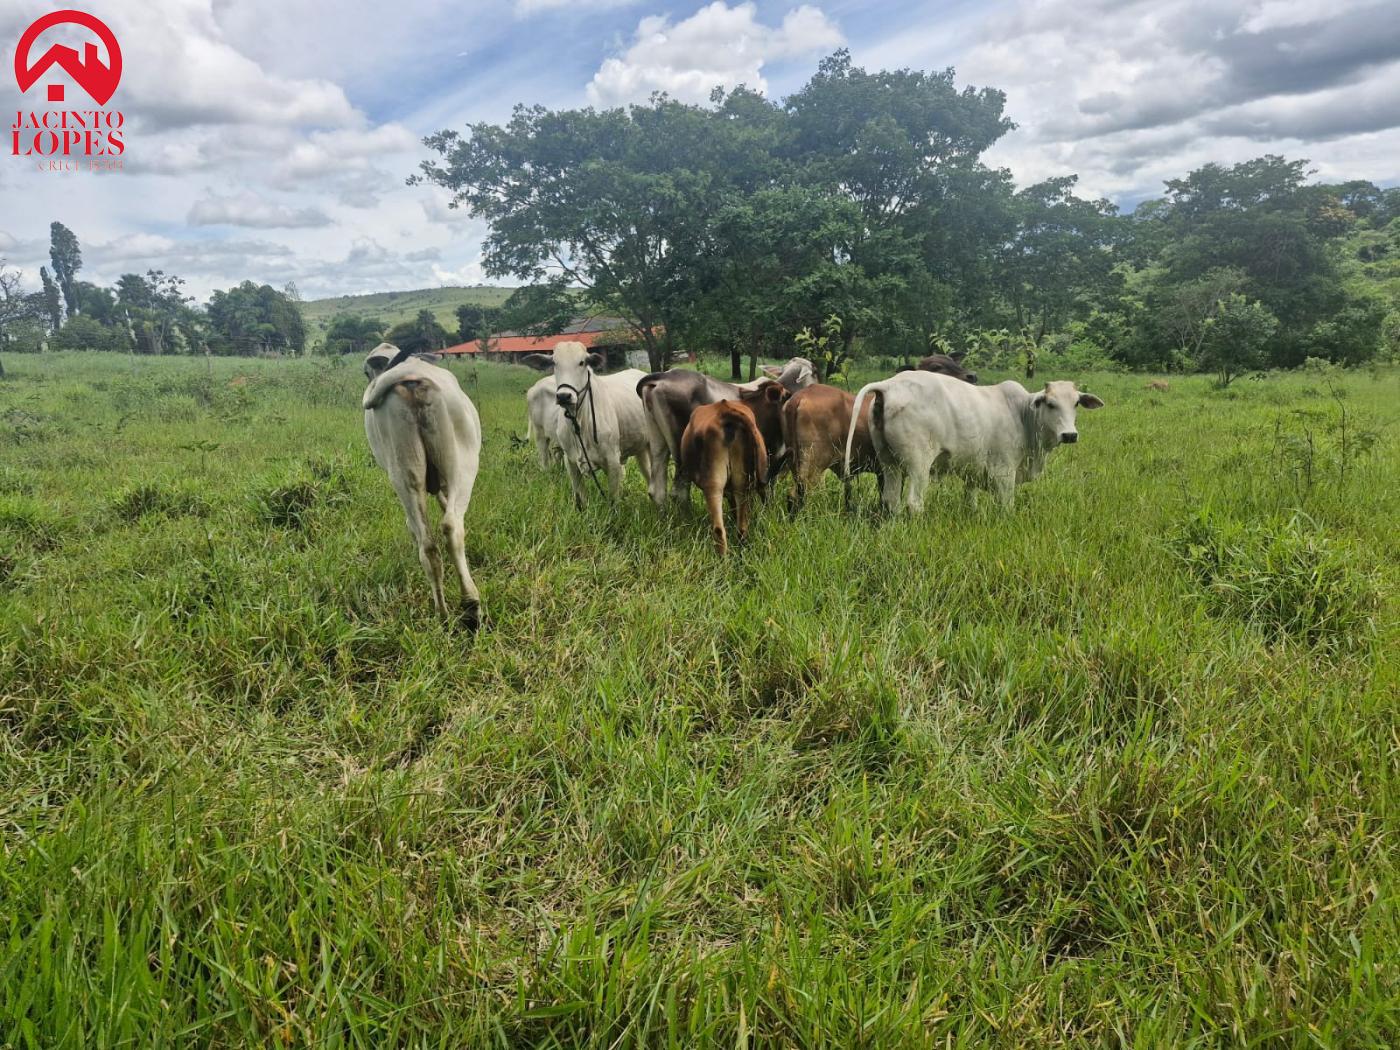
x=729, y=439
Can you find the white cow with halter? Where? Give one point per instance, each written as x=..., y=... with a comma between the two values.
x=425, y=433
x=997, y=436
x=601, y=423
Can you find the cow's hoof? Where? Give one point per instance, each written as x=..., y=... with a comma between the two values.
x=471, y=616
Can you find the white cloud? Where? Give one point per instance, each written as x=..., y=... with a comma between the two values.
x=1129, y=94
x=250, y=209
x=719, y=46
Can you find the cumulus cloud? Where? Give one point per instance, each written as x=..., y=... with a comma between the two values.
x=1127, y=94
x=250, y=209
x=719, y=46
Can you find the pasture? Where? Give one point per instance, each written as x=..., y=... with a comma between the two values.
x=1118, y=767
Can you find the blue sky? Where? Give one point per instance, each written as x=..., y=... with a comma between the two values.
x=270, y=139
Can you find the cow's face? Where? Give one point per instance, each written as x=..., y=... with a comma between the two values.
x=379, y=359
x=572, y=366
x=1055, y=409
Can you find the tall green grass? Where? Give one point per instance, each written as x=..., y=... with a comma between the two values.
x=1118, y=767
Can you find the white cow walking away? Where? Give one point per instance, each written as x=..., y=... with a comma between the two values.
x=600, y=424
x=426, y=434
x=999, y=436
x=542, y=411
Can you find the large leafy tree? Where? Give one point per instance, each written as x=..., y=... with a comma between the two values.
x=157, y=311
x=1261, y=219
x=1059, y=262
x=252, y=318
x=612, y=201
x=476, y=322
x=421, y=335
x=348, y=334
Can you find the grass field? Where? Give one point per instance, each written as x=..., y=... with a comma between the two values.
x=1117, y=768
x=393, y=307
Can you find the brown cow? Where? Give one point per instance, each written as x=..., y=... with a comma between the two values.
x=723, y=452
x=815, y=422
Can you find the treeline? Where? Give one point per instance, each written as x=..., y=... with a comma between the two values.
x=858, y=213
x=142, y=313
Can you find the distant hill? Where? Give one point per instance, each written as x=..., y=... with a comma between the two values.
x=393, y=307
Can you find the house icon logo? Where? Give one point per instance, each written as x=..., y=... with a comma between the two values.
x=95, y=77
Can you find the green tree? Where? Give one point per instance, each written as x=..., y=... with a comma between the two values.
x=1261, y=219
x=67, y=259
x=615, y=203
x=84, y=333
x=251, y=318
x=1235, y=338
x=476, y=322
x=348, y=334
x=53, y=301
x=16, y=308
x=1059, y=261
x=421, y=335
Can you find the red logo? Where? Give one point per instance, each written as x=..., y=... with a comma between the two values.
x=97, y=79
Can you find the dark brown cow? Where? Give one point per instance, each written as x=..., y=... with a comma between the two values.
x=670, y=398
x=815, y=423
x=945, y=364
x=723, y=452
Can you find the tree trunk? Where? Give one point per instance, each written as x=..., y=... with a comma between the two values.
x=736, y=362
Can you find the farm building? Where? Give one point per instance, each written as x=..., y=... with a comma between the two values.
x=609, y=336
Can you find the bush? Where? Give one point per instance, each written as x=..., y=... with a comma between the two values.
x=1285, y=578
x=83, y=333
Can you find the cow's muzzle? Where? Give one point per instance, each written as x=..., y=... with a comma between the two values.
x=1069, y=438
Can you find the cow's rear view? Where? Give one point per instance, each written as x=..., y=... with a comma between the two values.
x=723, y=452
x=425, y=433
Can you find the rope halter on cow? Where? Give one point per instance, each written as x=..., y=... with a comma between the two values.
x=571, y=411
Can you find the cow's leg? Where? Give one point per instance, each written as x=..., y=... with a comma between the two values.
x=914, y=489
x=643, y=459
x=658, y=455
x=415, y=508
x=615, y=474
x=544, y=450
x=713, y=489
x=1003, y=484
x=891, y=488
x=742, y=504
x=575, y=480
x=454, y=508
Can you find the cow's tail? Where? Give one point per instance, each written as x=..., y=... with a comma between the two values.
x=877, y=391
x=744, y=429
x=653, y=414
x=384, y=382
x=791, y=424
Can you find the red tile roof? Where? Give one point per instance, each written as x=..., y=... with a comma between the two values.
x=524, y=344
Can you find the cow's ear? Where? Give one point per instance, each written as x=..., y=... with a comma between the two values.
x=958, y=355
x=1090, y=401
x=596, y=360
x=773, y=392
x=1038, y=400
x=772, y=370
x=543, y=362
